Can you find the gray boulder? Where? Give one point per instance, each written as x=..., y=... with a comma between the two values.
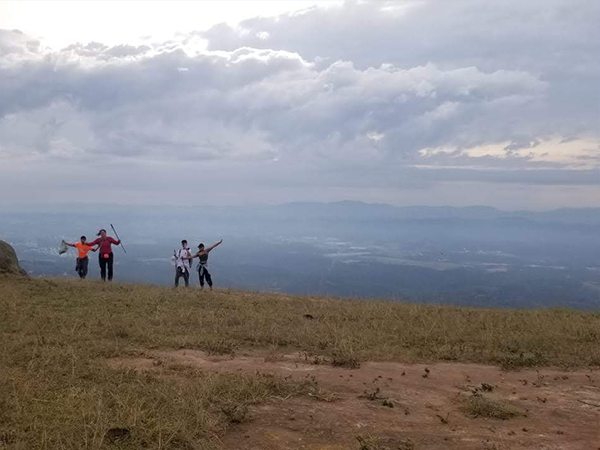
x=9, y=263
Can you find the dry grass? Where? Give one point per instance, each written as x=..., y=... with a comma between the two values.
x=376, y=443
x=345, y=358
x=478, y=405
x=324, y=396
x=56, y=392
x=67, y=401
x=109, y=318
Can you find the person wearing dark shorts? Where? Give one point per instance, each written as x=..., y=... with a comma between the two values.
x=81, y=266
x=203, y=273
x=106, y=256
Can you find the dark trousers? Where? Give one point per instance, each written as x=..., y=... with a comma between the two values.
x=106, y=262
x=182, y=273
x=204, y=274
x=82, y=267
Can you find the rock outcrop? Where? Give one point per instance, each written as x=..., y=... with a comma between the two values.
x=9, y=263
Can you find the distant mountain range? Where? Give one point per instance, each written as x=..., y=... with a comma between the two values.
x=353, y=208
x=340, y=210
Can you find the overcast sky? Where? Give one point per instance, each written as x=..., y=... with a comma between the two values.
x=408, y=103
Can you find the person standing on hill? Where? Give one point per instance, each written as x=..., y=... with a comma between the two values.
x=83, y=248
x=106, y=256
x=203, y=272
x=182, y=259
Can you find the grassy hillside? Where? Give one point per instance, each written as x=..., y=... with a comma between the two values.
x=56, y=391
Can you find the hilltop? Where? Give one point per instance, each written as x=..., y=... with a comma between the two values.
x=89, y=365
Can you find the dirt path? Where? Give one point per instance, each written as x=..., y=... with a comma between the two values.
x=404, y=406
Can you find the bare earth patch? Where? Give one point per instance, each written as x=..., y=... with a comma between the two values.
x=402, y=406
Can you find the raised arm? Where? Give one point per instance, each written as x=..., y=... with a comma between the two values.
x=190, y=256
x=69, y=244
x=213, y=246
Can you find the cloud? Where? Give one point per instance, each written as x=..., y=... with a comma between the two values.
x=15, y=45
x=250, y=102
x=100, y=51
x=423, y=92
x=557, y=41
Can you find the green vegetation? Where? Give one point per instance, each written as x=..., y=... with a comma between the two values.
x=58, y=392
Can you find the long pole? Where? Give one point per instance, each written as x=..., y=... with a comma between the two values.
x=117, y=235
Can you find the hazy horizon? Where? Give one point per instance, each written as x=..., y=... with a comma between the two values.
x=66, y=206
x=476, y=256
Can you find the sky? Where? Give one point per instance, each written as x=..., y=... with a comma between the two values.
x=433, y=102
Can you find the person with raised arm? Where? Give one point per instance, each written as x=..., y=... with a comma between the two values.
x=83, y=248
x=106, y=256
x=202, y=255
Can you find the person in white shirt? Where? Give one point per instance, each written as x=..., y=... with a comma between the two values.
x=182, y=259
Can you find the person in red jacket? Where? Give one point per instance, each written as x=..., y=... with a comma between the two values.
x=105, y=258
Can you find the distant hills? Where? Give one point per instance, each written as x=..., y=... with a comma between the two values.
x=339, y=209
x=355, y=208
